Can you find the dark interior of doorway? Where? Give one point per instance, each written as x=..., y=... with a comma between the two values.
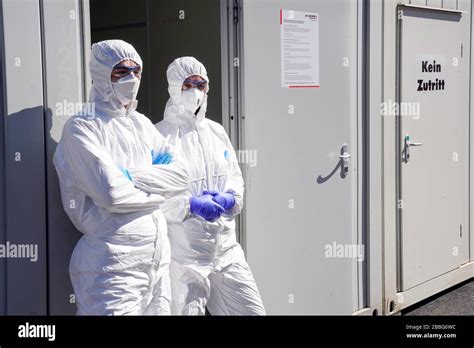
x=162, y=31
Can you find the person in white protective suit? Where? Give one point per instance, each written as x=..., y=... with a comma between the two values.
x=104, y=159
x=208, y=266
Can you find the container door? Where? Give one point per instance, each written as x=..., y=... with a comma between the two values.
x=434, y=126
x=299, y=127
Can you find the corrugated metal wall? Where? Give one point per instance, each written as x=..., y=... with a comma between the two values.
x=42, y=70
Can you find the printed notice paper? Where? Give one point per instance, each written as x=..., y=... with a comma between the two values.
x=299, y=36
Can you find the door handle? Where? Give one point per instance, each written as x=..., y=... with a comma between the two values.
x=344, y=158
x=406, y=148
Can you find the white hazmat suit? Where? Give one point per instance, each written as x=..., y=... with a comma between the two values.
x=121, y=263
x=208, y=266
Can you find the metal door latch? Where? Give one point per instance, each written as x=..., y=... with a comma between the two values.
x=344, y=158
x=406, y=148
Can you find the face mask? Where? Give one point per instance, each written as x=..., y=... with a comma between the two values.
x=126, y=89
x=192, y=99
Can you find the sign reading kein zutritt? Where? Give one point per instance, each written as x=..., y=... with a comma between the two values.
x=430, y=73
x=299, y=40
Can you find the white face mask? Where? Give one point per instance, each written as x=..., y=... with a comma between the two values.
x=192, y=99
x=126, y=89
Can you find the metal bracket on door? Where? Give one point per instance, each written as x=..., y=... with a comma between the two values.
x=344, y=157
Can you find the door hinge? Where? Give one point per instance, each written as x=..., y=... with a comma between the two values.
x=460, y=231
x=400, y=14
x=236, y=11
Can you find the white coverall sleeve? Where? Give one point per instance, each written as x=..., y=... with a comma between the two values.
x=151, y=179
x=170, y=181
x=95, y=174
x=235, y=181
x=167, y=180
x=177, y=209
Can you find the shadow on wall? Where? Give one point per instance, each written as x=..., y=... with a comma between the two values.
x=62, y=235
x=35, y=218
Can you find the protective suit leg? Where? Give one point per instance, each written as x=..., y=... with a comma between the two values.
x=113, y=283
x=160, y=289
x=160, y=302
x=234, y=291
x=229, y=291
x=110, y=293
x=189, y=290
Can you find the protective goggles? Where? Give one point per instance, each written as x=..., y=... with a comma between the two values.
x=122, y=70
x=201, y=85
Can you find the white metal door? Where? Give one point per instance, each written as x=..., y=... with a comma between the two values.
x=434, y=126
x=300, y=228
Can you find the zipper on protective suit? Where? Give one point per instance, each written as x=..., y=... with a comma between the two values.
x=209, y=176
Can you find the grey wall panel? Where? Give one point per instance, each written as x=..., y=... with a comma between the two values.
x=435, y=3
x=375, y=213
x=450, y=4
x=86, y=31
x=3, y=262
x=465, y=5
x=418, y=2
x=471, y=138
x=64, y=92
x=24, y=156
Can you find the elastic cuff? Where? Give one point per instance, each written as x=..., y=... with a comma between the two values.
x=185, y=204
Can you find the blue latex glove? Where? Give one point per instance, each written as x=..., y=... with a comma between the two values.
x=224, y=199
x=205, y=207
x=126, y=173
x=162, y=158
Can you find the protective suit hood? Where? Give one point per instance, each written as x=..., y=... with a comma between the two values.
x=178, y=71
x=104, y=56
